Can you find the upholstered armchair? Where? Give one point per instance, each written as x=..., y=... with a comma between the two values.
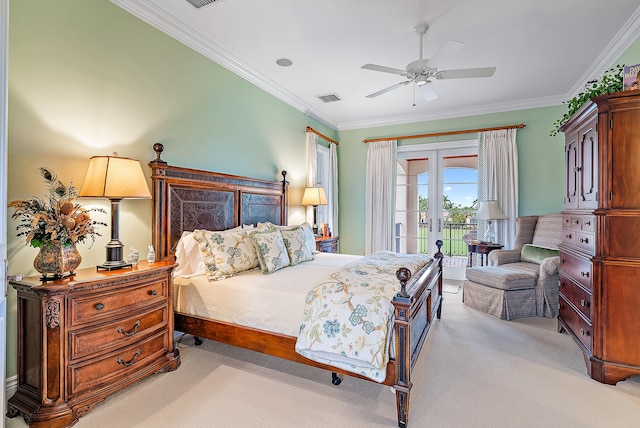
x=522, y=282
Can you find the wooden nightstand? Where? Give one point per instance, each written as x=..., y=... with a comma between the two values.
x=327, y=244
x=87, y=336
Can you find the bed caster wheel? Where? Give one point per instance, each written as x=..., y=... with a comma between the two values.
x=197, y=341
x=335, y=379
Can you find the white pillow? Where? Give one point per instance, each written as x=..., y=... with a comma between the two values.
x=189, y=257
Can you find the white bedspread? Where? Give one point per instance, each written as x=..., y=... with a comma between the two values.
x=272, y=302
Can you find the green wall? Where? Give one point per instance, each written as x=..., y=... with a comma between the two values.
x=87, y=78
x=540, y=159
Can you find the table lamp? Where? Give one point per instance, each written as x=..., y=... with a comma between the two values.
x=314, y=196
x=489, y=210
x=114, y=178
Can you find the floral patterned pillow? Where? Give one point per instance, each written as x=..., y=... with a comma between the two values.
x=226, y=253
x=297, y=239
x=272, y=253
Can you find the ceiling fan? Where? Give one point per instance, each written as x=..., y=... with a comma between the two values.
x=422, y=70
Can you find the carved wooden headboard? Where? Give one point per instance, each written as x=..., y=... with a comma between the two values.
x=186, y=199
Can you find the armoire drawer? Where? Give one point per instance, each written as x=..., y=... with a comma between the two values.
x=575, y=294
x=576, y=323
x=576, y=267
x=586, y=241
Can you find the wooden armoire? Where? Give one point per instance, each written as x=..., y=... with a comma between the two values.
x=600, y=250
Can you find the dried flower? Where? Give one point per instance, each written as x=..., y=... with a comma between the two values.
x=56, y=217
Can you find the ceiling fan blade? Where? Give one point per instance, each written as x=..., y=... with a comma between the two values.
x=464, y=73
x=384, y=69
x=390, y=88
x=445, y=53
x=428, y=92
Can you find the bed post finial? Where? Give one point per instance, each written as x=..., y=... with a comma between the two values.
x=404, y=275
x=158, y=148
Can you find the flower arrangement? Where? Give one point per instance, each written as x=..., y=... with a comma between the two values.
x=56, y=217
x=611, y=81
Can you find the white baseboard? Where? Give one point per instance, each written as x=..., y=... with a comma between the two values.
x=10, y=386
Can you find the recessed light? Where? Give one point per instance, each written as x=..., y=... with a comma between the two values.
x=284, y=62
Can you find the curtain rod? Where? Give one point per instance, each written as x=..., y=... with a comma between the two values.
x=331, y=140
x=440, y=134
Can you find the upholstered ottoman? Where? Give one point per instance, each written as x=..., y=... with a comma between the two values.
x=506, y=293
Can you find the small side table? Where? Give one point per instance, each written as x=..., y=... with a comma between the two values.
x=327, y=244
x=482, y=250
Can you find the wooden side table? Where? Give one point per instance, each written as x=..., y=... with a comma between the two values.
x=482, y=250
x=87, y=336
x=327, y=244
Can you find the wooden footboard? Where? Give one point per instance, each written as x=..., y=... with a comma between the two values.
x=416, y=306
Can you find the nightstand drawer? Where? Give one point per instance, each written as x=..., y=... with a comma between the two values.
x=96, y=306
x=116, y=334
x=117, y=365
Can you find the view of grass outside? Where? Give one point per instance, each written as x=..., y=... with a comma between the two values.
x=453, y=245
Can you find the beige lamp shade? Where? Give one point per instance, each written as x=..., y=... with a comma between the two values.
x=114, y=177
x=489, y=210
x=314, y=196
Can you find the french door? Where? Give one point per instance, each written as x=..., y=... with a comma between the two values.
x=436, y=194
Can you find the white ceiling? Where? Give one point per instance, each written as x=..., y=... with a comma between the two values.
x=544, y=50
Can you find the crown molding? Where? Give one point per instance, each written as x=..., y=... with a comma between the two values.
x=453, y=113
x=625, y=37
x=170, y=25
x=167, y=23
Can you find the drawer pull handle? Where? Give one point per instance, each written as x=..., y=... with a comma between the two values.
x=584, y=332
x=568, y=236
x=576, y=221
x=153, y=292
x=132, y=332
x=588, y=223
x=130, y=362
x=99, y=306
x=584, y=240
x=584, y=303
x=584, y=274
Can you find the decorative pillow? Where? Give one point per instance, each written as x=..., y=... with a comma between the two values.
x=534, y=254
x=189, y=257
x=271, y=250
x=296, y=241
x=226, y=253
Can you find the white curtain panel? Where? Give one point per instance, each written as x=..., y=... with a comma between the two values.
x=380, y=195
x=312, y=168
x=333, y=188
x=500, y=177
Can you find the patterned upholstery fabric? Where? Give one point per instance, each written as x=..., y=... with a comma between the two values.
x=548, y=231
x=500, y=289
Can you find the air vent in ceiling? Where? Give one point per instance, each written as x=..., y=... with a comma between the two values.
x=329, y=98
x=201, y=3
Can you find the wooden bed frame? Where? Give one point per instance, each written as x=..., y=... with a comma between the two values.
x=186, y=199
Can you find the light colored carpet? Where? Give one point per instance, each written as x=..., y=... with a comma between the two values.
x=475, y=371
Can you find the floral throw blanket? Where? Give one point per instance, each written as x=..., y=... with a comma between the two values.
x=347, y=318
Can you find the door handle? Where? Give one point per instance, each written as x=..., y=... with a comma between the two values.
x=439, y=225
x=430, y=224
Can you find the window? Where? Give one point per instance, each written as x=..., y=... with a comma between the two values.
x=324, y=179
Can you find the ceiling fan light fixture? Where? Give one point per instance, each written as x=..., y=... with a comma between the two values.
x=421, y=80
